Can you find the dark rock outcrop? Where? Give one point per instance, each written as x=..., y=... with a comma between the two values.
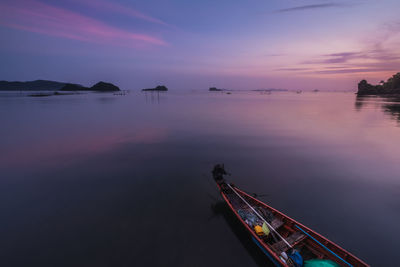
x=104, y=87
x=391, y=87
x=157, y=88
x=215, y=89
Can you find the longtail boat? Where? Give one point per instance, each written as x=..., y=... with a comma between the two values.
x=285, y=241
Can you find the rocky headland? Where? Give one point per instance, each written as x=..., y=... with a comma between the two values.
x=390, y=87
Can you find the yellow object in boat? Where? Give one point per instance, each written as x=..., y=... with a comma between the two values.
x=259, y=230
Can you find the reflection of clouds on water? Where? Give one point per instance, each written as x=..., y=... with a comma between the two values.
x=220, y=208
x=119, y=167
x=63, y=149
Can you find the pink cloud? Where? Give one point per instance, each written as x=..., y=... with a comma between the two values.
x=373, y=61
x=118, y=8
x=376, y=57
x=34, y=16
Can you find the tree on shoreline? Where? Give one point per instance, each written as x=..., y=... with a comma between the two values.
x=392, y=86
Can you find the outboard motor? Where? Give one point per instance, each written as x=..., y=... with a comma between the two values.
x=218, y=173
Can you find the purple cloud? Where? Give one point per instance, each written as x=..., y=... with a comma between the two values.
x=369, y=61
x=34, y=16
x=334, y=58
x=307, y=7
x=378, y=55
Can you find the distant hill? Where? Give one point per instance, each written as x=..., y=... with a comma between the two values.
x=99, y=87
x=74, y=87
x=38, y=85
x=44, y=85
x=104, y=87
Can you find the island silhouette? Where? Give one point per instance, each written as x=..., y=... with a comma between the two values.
x=390, y=87
x=157, y=88
x=46, y=85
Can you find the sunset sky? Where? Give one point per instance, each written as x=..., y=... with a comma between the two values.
x=188, y=45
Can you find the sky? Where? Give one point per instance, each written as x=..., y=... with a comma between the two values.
x=190, y=45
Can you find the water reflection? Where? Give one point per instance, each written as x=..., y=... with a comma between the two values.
x=220, y=208
x=107, y=99
x=119, y=179
x=389, y=105
x=359, y=103
x=153, y=97
x=393, y=108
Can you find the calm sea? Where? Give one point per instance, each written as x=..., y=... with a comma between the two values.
x=109, y=180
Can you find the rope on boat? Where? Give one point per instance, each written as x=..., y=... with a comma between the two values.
x=283, y=239
x=322, y=245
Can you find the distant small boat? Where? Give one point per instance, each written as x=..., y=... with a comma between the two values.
x=299, y=91
x=285, y=241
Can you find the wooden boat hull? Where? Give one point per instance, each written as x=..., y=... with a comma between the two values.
x=321, y=246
